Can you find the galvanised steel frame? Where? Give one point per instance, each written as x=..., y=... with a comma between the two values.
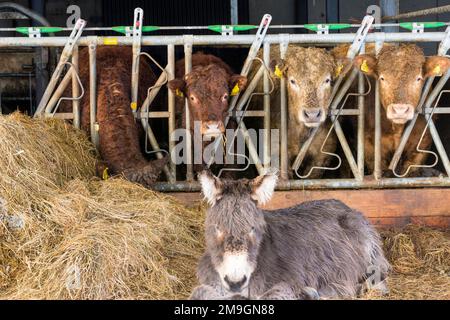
x=426, y=107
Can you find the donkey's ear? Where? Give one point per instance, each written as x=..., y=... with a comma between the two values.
x=263, y=186
x=211, y=186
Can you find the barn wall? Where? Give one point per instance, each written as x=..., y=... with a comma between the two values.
x=384, y=208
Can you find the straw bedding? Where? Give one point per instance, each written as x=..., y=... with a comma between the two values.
x=67, y=235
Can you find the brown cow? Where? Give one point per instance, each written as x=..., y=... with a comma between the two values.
x=309, y=74
x=401, y=71
x=207, y=88
x=118, y=130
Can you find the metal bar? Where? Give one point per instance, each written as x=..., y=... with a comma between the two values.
x=419, y=13
x=284, y=158
x=231, y=40
x=438, y=143
x=234, y=12
x=441, y=110
x=389, y=11
x=93, y=94
x=59, y=92
x=317, y=184
x=66, y=53
x=137, y=34
x=187, y=69
x=377, y=134
x=171, y=105
x=155, y=114
x=360, y=134
x=266, y=84
x=75, y=90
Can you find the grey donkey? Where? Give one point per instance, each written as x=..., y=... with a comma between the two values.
x=317, y=248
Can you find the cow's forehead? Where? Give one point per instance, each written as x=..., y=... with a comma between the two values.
x=310, y=63
x=402, y=60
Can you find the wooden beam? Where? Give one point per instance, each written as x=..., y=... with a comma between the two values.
x=385, y=207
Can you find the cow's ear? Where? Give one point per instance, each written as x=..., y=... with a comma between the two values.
x=178, y=86
x=343, y=65
x=237, y=83
x=263, y=186
x=278, y=68
x=211, y=186
x=435, y=66
x=366, y=63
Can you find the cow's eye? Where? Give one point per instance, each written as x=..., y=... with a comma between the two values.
x=419, y=78
x=328, y=80
x=381, y=78
x=225, y=97
x=293, y=82
x=192, y=98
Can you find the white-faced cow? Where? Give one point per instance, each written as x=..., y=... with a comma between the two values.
x=323, y=244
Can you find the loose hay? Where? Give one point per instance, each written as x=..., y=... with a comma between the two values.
x=420, y=258
x=80, y=238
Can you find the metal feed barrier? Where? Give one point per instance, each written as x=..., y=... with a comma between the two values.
x=133, y=36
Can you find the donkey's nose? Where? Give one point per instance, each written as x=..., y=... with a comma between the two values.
x=235, y=286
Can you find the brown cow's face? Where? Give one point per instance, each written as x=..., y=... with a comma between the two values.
x=309, y=74
x=207, y=90
x=401, y=72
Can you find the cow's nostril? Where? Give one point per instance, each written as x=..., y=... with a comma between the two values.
x=235, y=285
x=306, y=114
x=312, y=114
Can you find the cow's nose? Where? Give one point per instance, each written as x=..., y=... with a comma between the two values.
x=312, y=114
x=235, y=286
x=213, y=127
x=212, y=117
x=400, y=109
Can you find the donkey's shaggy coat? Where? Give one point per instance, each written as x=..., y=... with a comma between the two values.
x=320, y=244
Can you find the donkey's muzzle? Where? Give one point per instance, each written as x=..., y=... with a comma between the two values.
x=235, y=286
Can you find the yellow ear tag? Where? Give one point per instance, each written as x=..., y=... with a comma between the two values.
x=364, y=66
x=235, y=90
x=278, y=72
x=339, y=70
x=437, y=70
x=105, y=174
x=179, y=93
x=134, y=106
